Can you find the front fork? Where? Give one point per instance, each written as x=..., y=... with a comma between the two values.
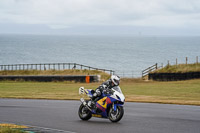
x=85, y=104
x=114, y=106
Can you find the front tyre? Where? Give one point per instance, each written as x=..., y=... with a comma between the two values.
x=84, y=113
x=117, y=115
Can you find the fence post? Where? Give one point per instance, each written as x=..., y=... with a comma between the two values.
x=176, y=61
x=168, y=63
x=186, y=59
x=74, y=66
x=156, y=65
x=197, y=60
x=53, y=66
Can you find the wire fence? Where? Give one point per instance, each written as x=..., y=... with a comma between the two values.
x=187, y=61
x=128, y=74
x=51, y=66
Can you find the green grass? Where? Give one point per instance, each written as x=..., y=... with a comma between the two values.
x=10, y=130
x=181, y=68
x=178, y=92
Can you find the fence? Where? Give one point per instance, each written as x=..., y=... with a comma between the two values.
x=186, y=61
x=149, y=69
x=51, y=66
x=128, y=73
x=154, y=67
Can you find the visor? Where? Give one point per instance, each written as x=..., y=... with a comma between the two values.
x=116, y=82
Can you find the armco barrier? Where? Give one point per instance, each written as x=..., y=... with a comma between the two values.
x=49, y=78
x=173, y=76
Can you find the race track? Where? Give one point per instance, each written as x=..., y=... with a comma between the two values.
x=62, y=116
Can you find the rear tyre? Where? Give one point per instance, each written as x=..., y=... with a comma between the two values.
x=117, y=115
x=84, y=113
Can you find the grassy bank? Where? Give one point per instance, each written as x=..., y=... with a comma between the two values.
x=104, y=75
x=180, y=92
x=181, y=68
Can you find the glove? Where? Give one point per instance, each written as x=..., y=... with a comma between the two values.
x=98, y=92
x=108, y=92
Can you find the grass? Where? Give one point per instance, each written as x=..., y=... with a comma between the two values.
x=181, y=68
x=11, y=128
x=177, y=92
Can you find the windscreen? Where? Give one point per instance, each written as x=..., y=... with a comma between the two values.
x=117, y=88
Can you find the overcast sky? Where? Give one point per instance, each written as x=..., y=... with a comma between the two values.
x=138, y=17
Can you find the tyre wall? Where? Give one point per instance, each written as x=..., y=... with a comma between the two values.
x=173, y=76
x=76, y=78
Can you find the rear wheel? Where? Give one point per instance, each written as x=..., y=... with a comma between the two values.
x=117, y=115
x=84, y=113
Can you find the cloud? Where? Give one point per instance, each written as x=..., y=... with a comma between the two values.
x=58, y=14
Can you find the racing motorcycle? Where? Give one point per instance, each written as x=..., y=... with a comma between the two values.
x=110, y=105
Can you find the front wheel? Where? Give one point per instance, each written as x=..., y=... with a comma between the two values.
x=117, y=115
x=84, y=113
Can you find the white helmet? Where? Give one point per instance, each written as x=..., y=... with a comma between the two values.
x=115, y=79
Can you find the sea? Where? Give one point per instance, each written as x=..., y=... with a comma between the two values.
x=127, y=55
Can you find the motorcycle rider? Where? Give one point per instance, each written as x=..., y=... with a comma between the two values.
x=105, y=86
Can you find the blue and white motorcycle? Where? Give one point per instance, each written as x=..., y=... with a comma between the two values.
x=110, y=105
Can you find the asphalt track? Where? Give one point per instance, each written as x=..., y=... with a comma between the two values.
x=61, y=116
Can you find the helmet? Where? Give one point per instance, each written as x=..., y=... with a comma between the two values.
x=115, y=79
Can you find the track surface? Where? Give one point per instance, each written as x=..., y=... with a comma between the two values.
x=138, y=117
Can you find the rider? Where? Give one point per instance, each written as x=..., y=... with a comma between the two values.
x=112, y=82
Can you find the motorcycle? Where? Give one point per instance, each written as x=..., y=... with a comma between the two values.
x=110, y=105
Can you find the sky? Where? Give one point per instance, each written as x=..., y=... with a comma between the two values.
x=100, y=17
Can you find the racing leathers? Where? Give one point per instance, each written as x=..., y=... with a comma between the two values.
x=105, y=86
